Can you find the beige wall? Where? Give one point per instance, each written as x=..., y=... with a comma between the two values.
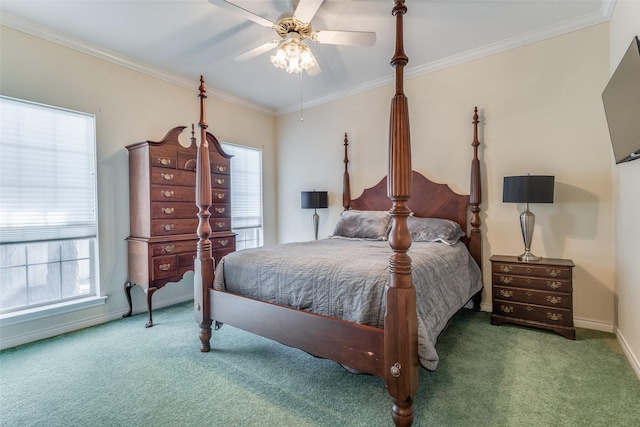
x=624, y=25
x=129, y=107
x=541, y=113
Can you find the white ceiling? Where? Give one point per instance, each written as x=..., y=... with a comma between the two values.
x=180, y=40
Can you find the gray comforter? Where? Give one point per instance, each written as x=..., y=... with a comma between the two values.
x=346, y=278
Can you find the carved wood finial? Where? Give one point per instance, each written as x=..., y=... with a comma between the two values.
x=346, y=183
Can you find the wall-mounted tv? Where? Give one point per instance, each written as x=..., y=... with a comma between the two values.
x=621, y=99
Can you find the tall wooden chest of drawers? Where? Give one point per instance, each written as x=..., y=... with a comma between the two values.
x=538, y=294
x=163, y=214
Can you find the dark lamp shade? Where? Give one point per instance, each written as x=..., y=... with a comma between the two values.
x=528, y=189
x=314, y=199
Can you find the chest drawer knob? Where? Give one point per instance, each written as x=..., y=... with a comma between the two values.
x=219, y=181
x=554, y=300
x=529, y=308
x=553, y=272
x=167, y=176
x=506, y=308
x=221, y=168
x=167, y=194
x=554, y=316
x=220, y=224
x=220, y=210
x=554, y=285
x=164, y=267
x=168, y=227
x=167, y=211
x=505, y=268
x=224, y=242
x=164, y=162
x=506, y=279
x=219, y=195
x=505, y=293
x=168, y=248
x=529, y=293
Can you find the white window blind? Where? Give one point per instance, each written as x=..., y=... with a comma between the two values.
x=246, y=186
x=47, y=173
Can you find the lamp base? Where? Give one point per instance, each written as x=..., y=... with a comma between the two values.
x=527, y=256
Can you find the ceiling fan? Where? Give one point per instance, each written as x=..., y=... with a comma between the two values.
x=293, y=28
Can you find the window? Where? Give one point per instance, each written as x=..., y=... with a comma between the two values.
x=48, y=219
x=246, y=195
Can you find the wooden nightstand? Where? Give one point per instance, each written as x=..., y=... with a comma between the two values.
x=538, y=294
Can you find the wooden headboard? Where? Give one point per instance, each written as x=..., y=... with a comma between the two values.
x=429, y=199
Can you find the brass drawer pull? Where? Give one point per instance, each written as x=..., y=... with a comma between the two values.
x=164, y=267
x=529, y=293
x=220, y=210
x=506, y=308
x=553, y=272
x=554, y=300
x=168, y=248
x=529, y=308
x=167, y=176
x=219, y=195
x=168, y=227
x=167, y=193
x=164, y=162
x=167, y=211
x=528, y=270
x=506, y=279
x=221, y=168
x=220, y=224
x=219, y=181
x=529, y=281
x=554, y=285
x=505, y=268
x=554, y=316
x=223, y=242
x=506, y=294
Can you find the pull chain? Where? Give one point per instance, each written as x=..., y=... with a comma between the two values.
x=301, y=114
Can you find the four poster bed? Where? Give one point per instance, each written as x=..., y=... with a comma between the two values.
x=302, y=294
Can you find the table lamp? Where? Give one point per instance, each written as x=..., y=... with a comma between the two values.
x=314, y=200
x=528, y=189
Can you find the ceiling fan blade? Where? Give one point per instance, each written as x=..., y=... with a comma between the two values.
x=312, y=71
x=224, y=4
x=347, y=38
x=258, y=51
x=306, y=10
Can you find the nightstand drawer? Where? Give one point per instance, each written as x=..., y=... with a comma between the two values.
x=531, y=296
x=555, y=285
x=553, y=272
x=536, y=313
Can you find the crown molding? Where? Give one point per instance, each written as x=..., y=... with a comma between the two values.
x=491, y=49
x=124, y=61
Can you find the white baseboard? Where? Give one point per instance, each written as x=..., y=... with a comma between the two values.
x=633, y=360
x=81, y=324
x=596, y=325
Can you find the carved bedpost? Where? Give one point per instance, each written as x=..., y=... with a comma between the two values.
x=346, y=183
x=475, y=198
x=400, y=324
x=204, y=263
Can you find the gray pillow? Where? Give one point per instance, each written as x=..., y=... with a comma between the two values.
x=434, y=230
x=373, y=225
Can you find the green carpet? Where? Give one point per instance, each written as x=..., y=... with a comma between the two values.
x=122, y=374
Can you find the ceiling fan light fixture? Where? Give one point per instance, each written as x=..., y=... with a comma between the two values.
x=293, y=56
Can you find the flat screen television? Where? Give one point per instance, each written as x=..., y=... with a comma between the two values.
x=621, y=99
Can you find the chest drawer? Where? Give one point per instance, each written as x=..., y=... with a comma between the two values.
x=553, y=272
x=536, y=313
x=552, y=299
x=557, y=285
